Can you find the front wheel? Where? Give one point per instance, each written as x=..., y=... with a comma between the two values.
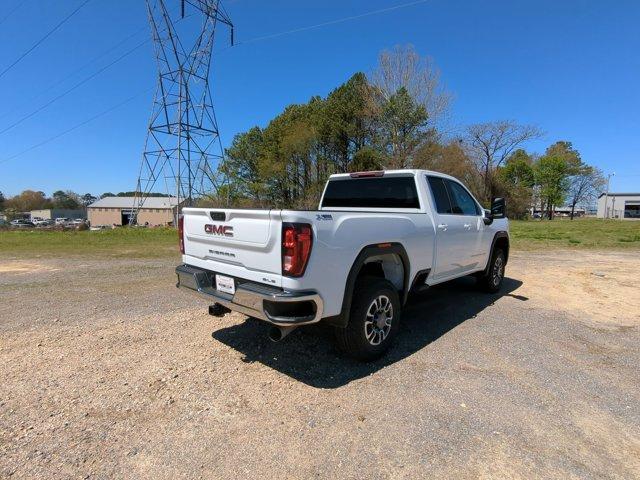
x=373, y=322
x=492, y=280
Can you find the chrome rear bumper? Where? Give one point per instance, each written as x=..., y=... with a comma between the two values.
x=274, y=305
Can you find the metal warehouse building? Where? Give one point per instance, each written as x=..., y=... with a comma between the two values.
x=619, y=205
x=118, y=211
x=53, y=213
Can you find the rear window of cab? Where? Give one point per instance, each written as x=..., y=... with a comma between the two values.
x=375, y=192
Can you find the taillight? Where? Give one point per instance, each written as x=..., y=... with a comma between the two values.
x=181, y=232
x=297, y=239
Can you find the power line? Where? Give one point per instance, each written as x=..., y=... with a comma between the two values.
x=75, y=127
x=82, y=67
x=12, y=11
x=91, y=119
x=68, y=91
x=79, y=84
x=333, y=22
x=41, y=40
x=85, y=65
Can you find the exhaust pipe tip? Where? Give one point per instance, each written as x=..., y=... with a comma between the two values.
x=218, y=310
x=278, y=333
x=275, y=335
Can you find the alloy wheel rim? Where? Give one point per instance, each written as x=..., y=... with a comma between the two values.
x=377, y=323
x=498, y=270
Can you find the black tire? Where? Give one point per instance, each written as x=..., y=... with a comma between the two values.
x=491, y=282
x=374, y=320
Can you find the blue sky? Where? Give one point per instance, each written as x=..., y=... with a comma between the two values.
x=570, y=67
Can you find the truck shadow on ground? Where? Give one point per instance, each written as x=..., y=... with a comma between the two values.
x=308, y=354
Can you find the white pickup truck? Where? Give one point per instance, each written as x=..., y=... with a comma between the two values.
x=352, y=263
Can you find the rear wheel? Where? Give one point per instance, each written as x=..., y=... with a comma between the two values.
x=492, y=280
x=373, y=322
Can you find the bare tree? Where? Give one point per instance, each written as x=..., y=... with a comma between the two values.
x=489, y=144
x=403, y=67
x=586, y=184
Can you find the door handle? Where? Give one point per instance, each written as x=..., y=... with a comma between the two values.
x=467, y=226
x=443, y=227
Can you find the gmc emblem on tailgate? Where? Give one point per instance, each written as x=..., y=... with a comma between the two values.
x=224, y=230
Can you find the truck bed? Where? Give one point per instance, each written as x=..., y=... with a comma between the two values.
x=251, y=249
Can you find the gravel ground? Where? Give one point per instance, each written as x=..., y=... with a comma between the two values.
x=109, y=372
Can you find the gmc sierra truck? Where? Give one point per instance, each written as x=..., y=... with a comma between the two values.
x=376, y=237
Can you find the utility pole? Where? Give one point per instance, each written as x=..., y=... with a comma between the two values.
x=606, y=196
x=613, y=207
x=183, y=147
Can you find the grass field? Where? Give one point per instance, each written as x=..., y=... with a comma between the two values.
x=121, y=242
x=580, y=233
x=163, y=242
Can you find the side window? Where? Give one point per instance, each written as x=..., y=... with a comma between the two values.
x=440, y=195
x=462, y=202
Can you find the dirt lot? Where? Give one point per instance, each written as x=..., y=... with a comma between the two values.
x=109, y=372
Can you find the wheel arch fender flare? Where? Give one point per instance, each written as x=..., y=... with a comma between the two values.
x=500, y=237
x=365, y=253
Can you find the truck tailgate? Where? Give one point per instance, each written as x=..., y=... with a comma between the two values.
x=239, y=243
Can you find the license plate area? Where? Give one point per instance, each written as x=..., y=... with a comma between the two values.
x=225, y=284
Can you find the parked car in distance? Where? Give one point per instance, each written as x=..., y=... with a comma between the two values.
x=376, y=237
x=95, y=228
x=20, y=223
x=78, y=221
x=42, y=222
x=61, y=220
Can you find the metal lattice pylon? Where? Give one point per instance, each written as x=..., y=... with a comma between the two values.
x=183, y=146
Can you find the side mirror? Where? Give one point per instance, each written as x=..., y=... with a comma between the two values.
x=498, y=208
x=487, y=218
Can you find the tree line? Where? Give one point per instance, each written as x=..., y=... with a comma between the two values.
x=393, y=119
x=37, y=200
x=66, y=200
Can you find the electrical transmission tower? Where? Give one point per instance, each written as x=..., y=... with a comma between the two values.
x=183, y=148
